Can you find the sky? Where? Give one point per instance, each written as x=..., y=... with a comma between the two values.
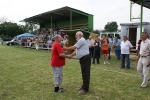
x=104, y=11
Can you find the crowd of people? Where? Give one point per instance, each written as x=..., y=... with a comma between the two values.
x=103, y=46
x=100, y=46
x=45, y=37
x=91, y=50
x=87, y=49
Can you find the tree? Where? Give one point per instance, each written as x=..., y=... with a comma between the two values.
x=111, y=27
x=96, y=31
x=9, y=29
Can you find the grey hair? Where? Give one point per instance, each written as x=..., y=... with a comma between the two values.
x=145, y=33
x=125, y=37
x=56, y=37
x=80, y=33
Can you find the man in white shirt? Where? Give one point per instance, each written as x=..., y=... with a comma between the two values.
x=82, y=52
x=90, y=44
x=144, y=59
x=125, y=52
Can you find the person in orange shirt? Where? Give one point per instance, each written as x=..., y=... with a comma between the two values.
x=105, y=52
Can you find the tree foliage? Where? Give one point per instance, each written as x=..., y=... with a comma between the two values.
x=9, y=29
x=111, y=27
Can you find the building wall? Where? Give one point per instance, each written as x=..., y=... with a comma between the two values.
x=124, y=31
x=148, y=30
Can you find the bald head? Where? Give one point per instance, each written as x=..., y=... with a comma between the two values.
x=57, y=38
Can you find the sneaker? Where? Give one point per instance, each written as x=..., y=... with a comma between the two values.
x=59, y=91
x=107, y=62
x=82, y=92
x=104, y=62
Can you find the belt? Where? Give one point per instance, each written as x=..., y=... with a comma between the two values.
x=83, y=57
x=144, y=56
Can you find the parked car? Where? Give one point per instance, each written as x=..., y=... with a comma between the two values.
x=12, y=42
x=6, y=39
x=111, y=34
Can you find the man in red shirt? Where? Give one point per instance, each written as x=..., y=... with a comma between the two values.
x=57, y=62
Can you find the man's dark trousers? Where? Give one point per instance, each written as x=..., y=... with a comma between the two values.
x=85, y=63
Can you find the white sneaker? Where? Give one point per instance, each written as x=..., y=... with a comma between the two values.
x=107, y=62
x=104, y=62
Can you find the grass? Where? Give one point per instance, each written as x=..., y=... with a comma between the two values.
x=27, y=75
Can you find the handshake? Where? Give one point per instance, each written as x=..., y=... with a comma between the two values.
x=70, y=48
x=69, y=56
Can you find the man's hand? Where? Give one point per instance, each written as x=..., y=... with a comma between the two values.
x=69, y=48
x=70, y=56
x=64, y=48
x=149, y=63
x=137, y=59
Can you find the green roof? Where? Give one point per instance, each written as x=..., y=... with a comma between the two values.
x=57, y=15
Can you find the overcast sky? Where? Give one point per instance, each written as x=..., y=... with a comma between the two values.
x=103, y=10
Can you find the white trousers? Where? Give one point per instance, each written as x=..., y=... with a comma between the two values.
x=143, y=70
x=37, y=46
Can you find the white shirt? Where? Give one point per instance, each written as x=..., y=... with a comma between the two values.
x=82, y=48
x=125, y=47
x=145, y=48
x=90, y=42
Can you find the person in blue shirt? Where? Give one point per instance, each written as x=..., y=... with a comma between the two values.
x=116, y=45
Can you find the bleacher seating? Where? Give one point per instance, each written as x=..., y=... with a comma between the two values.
x=76, y=26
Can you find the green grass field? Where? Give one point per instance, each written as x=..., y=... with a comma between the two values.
x=26, y=75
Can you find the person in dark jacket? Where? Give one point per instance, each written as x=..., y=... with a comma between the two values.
x=96, y=52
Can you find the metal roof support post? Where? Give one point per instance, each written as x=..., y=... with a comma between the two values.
x=70, y=20
x=141, y=18
x=37, y=30
x=130, y=11
x=51, y=22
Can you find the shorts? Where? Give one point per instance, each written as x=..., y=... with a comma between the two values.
x=57, y=74
x=105, y=52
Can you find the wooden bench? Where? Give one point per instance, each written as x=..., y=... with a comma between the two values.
x=76, y=26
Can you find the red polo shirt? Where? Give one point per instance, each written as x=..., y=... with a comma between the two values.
x=56, y=60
